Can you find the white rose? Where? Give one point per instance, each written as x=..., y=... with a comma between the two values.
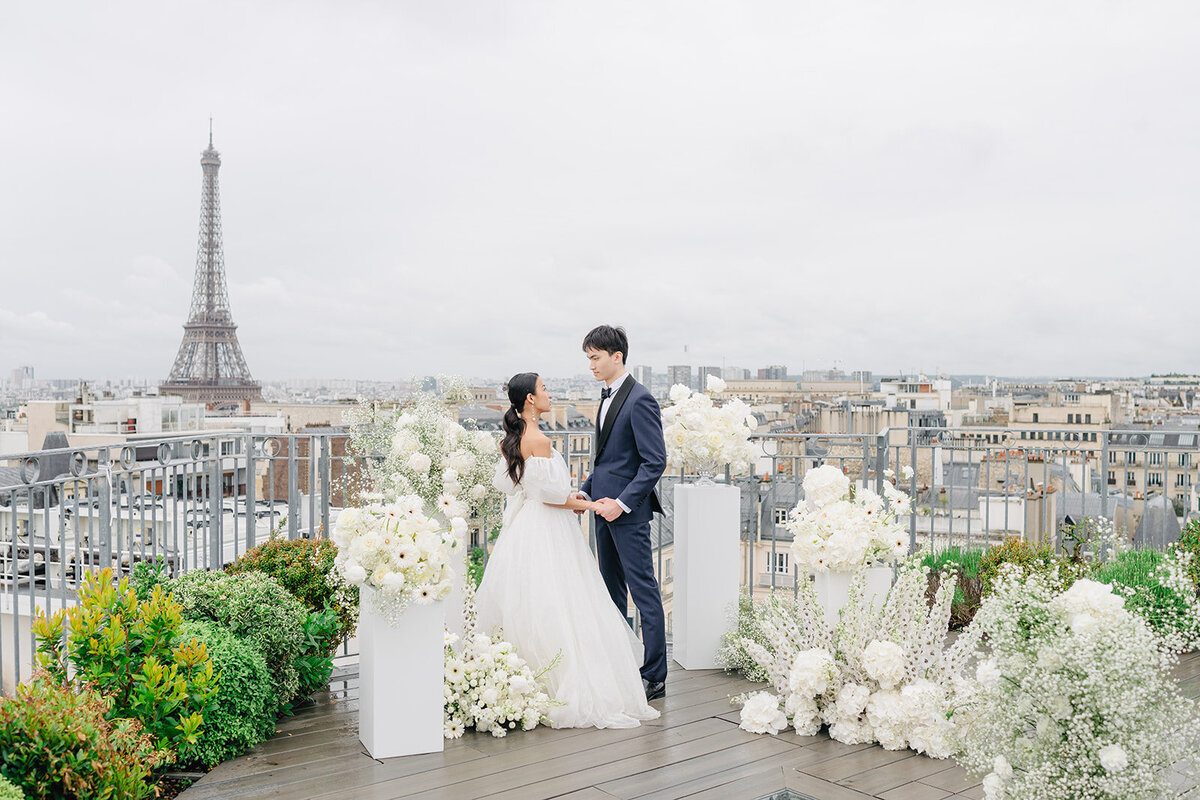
x=458, y=526
x=714, y=384
x=679, y=393
x=761, y=714
x=1113, y=758
x=419, y=463
x=477, y=492
x=519, y=684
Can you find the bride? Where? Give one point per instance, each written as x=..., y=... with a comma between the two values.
x=542, y=585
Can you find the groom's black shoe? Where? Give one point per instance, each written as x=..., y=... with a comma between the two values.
x=654, y=689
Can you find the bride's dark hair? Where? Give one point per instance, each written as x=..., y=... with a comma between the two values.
x=519, y=387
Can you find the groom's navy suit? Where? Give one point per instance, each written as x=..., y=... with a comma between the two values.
x=629, y=458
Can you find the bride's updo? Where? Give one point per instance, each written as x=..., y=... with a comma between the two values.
x=519, y=387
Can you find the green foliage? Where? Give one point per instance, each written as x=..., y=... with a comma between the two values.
x=314, y=665
x=475, y=563
x=145, y=575
x=254, y=607
x=964, y=564
x=9, y=790
x=1029, y=559
x=56, y=742
x=302, y=566
x=1189, y=542
x=1166, y=601
x=243, y=711
x=132, y=651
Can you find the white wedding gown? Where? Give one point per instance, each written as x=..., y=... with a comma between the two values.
x=542, y=586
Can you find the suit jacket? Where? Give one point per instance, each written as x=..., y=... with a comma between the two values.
x=630, y=455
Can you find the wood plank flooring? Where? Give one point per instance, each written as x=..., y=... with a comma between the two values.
x=694, y=750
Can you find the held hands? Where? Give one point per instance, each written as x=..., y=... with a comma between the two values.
x=608, y=508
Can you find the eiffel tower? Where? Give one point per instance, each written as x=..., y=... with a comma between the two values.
x=209, y=367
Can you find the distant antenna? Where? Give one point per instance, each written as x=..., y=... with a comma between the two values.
x=210, y=130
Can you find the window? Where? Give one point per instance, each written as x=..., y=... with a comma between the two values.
x=778, y=563
x=1130, y=457
x=1112, y=456
x=1035, y=416
x=1155, y=479
x=1129, y=478
x=781, y=515
x=1185, y=459
x=1156, y=459
x=1180, y=479
x=1087, y=418
x=1112, y=478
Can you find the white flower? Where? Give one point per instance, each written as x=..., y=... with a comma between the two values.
x=679, y=393
x=714, y=384
x=889, y=473
x=988, y=674
x=906, y=471
x=884, y=663
x=761, y=714
x=458, y=526
x=852, y=699
x=824, y=485
x=1093, y=599
x=1113, y=758
x=419, y=463
x=519, y=684
x=993, y=786
x=812, y=671
x=451, y=638
x=1002, y=768
x=355, y=574
x=477, y=492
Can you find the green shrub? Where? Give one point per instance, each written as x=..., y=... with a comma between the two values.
x=243, y=711
x=145, y=575
x=9, y=790
x=1029, y=558
x=967, y=589
x=1157, y=588
x=133, y=652
x=314, y=665
x=302, y=566
x=1189, y=542
x=255, y=607
x=56, y=742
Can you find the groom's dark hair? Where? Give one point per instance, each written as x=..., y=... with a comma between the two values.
x=609, y=339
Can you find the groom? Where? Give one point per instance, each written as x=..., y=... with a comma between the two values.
x=628, y=459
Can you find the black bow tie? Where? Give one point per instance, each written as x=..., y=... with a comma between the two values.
x=606, y=393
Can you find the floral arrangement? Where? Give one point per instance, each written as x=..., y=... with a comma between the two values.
x=704, y=437
x=1074, y=698
x=837, y=529
x=398, y=549
x=882, y=675
x=424, y=451
x=488, y=685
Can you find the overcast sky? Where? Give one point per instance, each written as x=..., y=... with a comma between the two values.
x=467, y=187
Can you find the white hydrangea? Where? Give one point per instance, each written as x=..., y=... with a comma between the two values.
x=761, y=714
x=884, y=663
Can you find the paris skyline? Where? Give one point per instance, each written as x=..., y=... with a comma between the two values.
x=467, y=189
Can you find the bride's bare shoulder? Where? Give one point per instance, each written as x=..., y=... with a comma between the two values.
x=536, y=444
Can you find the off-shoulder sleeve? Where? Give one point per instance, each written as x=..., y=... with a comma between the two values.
x=546, y=480
x=501, y=481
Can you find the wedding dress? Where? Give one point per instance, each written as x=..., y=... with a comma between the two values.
x=543, y=588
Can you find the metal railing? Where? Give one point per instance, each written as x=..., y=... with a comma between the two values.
x=200, y=501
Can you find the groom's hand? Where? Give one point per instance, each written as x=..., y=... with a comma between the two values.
x=609, y=509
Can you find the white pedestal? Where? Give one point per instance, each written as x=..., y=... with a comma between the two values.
x=400, y=680
x=833, y=590
x=706, y=572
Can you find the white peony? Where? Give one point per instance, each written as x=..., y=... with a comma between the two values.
x=824, y=485
x=714, y=384
x=1002, y=768
x=761, y=714
x=355, y=574
x=1093, y=599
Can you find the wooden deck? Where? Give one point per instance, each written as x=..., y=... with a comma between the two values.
x=695, y=750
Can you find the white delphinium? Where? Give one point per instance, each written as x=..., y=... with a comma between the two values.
x=704, y=437
x=396, y=549
x=837, y=529
x=1075, y=696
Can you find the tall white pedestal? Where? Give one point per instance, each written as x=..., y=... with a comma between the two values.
x=400, y=680
x=706, y=572
x=833, y=590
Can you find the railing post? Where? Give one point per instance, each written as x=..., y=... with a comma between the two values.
x=912, y=492
x=104, y=512
x=325, y=470
x=293, y=488
x=251, y=498
x=216, y=544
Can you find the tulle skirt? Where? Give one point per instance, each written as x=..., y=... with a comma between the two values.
x=543, y=588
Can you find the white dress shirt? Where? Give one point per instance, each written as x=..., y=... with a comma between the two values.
x=605, y=405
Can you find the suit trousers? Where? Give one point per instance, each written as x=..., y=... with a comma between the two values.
x=627, y=565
